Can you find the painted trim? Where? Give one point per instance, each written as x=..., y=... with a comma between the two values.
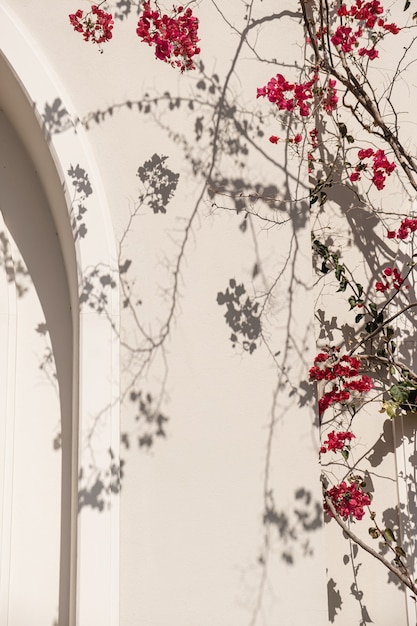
x=94, y=594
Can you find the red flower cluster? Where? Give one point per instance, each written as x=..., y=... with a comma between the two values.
x=175, y=37
x=336, y=441
x=381, y=167
x=296, y=139
x=392, y=278
x=288, y=96
x=366, y=15
x=331, y=99
x=277, y=89
x=329, y=367
x=348, y=499
x=408, y=225
x=96, y=25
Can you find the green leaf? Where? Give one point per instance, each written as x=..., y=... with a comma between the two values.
x=350, y=139
x=360, y=289
x=359, y=317
x=342, y=128
x=389, y=535
x=407, y=5
x=399, y=393
x=352, y=301
x=345, y=453
x=389, y=331
x=371, y=326
x=373, y=309
x=339, y=269
x=399, y=551
x=323, y=198
x=343, y=283
x=374, y=532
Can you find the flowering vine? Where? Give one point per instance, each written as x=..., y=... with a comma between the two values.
x=175, y=36
x=343, y=40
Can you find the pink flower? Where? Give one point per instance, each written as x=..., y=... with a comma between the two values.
x=331, y=99
x=298, y=138
x=288, y=96
x=394, y=279
x=96, y=25
x=175, y=37
x=348, y=499
x=274, y=139
x=336, y=441
x=328, y=366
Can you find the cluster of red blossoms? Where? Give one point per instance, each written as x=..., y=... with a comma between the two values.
x=174, y=37
x=381, y=167
x=277, y=89
x=336, y=441
x=288, y=96
x=296, y=139
x=348, y=499
x=408, y=225
x=95, y=26
x=392, y=278
x=364, y=15
x=329, y=366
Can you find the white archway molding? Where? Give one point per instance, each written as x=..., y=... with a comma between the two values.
x=27, y=84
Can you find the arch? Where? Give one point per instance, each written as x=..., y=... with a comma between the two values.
x=89, y=387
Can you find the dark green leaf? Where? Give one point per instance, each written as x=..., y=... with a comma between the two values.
x=352, y=301
x=342, y=129
x=407, y=5
x=389, y=331
x=343, y=283
x=359, y=317
x=370, y=327
x=399, y=551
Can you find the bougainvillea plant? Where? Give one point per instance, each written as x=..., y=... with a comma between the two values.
x=174, y=37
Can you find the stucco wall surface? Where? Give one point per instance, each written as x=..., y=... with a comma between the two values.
x=181, y=213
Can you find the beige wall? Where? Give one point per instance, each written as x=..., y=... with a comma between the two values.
x=220, y=518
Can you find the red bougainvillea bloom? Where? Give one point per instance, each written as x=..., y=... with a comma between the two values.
x=344, y=372
x=408, y=226
x=96, y=25
x=361, y=15
x=288, y=96
x=381, y=167
x=336, y=441
x=274, y=139
x=331, y=98
x=392, y=278
x=348, y=499
x=175, y=37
